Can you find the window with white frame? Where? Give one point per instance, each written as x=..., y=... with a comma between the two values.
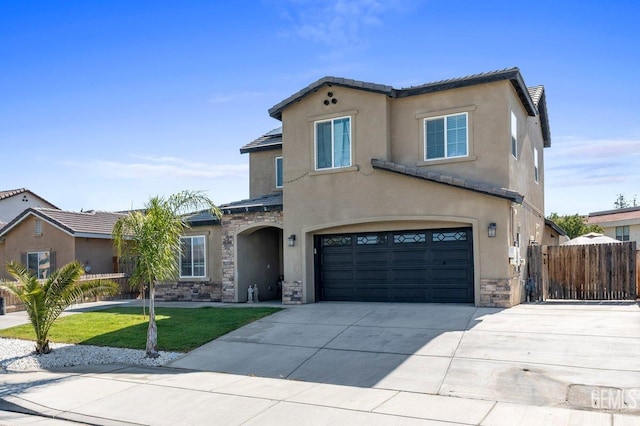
x=193, y=259
x=333, y=143
x=446, y=136
x=514, y=136
x=39, y=263
x=278, y=172
x=622, y=233
x=536, y=165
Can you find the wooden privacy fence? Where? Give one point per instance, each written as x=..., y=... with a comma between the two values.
x=583, y=272
x=14, y=304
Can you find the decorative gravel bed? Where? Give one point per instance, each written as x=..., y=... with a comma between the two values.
x=19, y=355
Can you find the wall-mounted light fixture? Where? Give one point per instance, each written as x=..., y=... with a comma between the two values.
x=292, y=240
x=491, y=230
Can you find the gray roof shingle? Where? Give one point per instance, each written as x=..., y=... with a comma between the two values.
x=94, y=224
x=470, y=185
x=532, y=99
x=269, y=140
x=265, y=203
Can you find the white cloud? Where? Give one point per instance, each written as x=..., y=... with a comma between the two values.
x=160, y=167
x=339, y=22
x=585, y=175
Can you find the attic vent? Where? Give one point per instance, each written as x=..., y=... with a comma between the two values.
x=38, y=227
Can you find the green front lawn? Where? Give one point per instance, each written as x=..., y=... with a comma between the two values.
x=179, y=329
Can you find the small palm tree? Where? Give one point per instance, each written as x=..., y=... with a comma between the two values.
x=152, y=239
x=45, y=300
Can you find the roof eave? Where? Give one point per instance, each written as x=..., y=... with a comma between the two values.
x=505, y=194
x=269, y=147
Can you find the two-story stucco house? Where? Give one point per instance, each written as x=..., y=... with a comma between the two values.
x=370, y=193
x=15, y=201
x=622, y=224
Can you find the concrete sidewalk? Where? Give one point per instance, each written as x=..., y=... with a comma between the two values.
x=121, y=395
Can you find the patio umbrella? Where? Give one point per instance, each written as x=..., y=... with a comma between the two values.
x=591, y=238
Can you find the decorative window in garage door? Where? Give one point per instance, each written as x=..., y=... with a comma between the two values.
x=450, y=236
x=409, y=238
x=336, y=241
x=373, y=239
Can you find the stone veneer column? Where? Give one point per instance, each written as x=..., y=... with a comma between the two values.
x=496, y=293
x=292, y=293
x=231, y=223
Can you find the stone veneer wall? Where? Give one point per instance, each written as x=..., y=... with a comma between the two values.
x=292, y=293
x=189, y=291
x=231, y=223
x=496, y=293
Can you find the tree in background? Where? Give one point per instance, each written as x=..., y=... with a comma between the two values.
x=574, y=225
x=621, y=202
x=151, y=238
x=44, y=300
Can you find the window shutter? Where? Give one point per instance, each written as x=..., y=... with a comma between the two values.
x=52, y=261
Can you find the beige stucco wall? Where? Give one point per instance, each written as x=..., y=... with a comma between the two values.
x=262, y=174
x=12, y=206
x=634, y=230
x=259, y=262
x=96, y=253
x=359, y=198
x=22, y=239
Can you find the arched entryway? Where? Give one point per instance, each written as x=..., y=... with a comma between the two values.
x=259, y=261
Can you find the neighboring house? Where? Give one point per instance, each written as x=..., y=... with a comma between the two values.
x=44, y=238
x=553, y=235
x=15, y=201
x=621, y=224
x=370, y=193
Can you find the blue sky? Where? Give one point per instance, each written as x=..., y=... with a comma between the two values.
x=103, y=104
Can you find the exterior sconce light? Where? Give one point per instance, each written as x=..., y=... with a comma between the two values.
x=492, y=230
x=292, y=240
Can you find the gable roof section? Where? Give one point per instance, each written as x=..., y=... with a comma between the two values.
x=551, y=224
x=482, y=188
x=270, y=140
x=511, y=74
x=627, y=214
x=90, y=224
x=12, y=192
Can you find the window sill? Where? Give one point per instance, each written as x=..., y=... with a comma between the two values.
x=336, y=170
x=447, y=160
x=193, y=279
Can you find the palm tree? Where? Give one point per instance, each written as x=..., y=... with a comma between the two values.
x=152, y=239
x=45, y=300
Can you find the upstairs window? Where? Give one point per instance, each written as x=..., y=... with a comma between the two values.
x=192, y=260
x=333, y=143
x=38, y=227
x=278, y=172
x=446, y=136
x=514, y=136
x=39, y=264
x=622, y=233
x=536, y=167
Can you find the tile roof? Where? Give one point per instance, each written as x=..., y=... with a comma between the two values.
x=94, y=224
x=448, y=180
x=270, y=140
x=265, y=203
x=11, y=192
x=511, y=74
x=616, y=215
x=202, y=218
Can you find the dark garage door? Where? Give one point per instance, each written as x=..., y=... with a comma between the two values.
x=433, y=265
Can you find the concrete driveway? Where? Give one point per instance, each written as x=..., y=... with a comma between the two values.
x=582, y=355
